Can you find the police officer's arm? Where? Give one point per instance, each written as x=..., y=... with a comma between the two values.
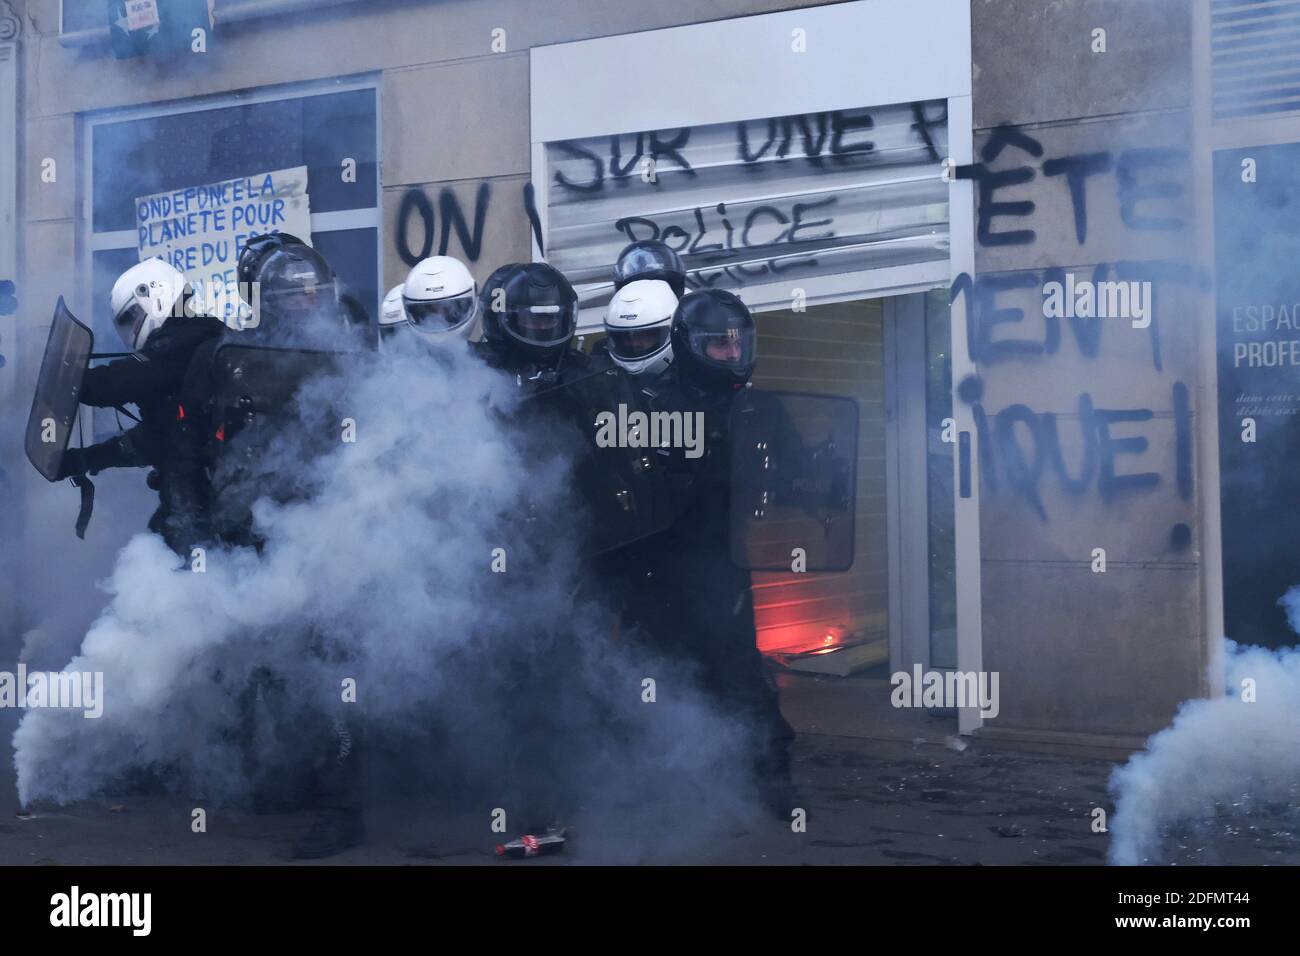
x=120, y=451
x=129, y=380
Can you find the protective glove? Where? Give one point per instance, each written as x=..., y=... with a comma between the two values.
x=74, y=464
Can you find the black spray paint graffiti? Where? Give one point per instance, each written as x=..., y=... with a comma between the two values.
x=648, y=146
x=1020, y=447
x=1143, y=174
x=791, y=233
x=769, y=237
x=832, y=136
x=986, y=313
x=415, y=202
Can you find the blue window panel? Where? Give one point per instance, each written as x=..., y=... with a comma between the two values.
x=140, y=157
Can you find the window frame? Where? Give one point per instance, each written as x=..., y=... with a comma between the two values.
x=91, y=242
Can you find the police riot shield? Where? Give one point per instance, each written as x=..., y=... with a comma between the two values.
x=793, y=480
x=620, y=483
x=264, y=378
x=258, y=387
x=58, y=391
x=268, y=418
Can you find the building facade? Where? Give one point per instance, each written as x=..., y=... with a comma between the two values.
x=895, y=187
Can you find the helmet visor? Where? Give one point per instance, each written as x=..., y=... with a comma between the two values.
x=542, y=325
x=301, y=303
x=732, y=347
x=441, y=315
x=643, y=261
x=129, y=321
x=632, y=344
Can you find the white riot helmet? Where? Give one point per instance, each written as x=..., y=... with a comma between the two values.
x=440, y=298
x=638, y=324
x=143, y=298
x=392, y=314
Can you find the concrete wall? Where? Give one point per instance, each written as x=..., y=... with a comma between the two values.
x=1108, y=653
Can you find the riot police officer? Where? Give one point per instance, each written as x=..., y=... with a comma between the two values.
x=528, y=313
x=152, y=312
x=682, y=588
x=638, y=323
x=440, y=299
x=299, y=306
x=434, y=306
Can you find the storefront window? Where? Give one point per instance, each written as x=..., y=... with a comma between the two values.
x=331, y=134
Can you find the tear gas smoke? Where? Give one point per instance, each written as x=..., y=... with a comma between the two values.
x=1226, y=756
x=376, y=565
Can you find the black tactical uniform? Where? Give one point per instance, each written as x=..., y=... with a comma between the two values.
x=681, y=587
x=528, y=337
x=300, y=309
x=233, y=409
x=152, y=381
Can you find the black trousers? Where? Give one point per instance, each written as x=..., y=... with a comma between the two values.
x=696, y=606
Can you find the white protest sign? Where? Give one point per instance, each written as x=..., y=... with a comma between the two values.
x=200, y=229
x=141, y=14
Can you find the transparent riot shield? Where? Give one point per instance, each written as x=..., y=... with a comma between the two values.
x=58, y=391
x=621, y=487
x=793, y=481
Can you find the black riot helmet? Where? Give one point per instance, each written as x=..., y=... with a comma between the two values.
x=529, y=312
x=714, y=340
x=650, y=259
x=255, y=251
x=296, y=287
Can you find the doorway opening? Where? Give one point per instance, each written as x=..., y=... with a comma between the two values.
x=836, y=638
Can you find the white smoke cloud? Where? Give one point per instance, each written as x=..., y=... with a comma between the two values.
x=377, y=566
x=1220, y=756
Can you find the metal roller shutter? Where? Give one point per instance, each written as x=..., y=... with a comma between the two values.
x=832, y=203
x=837, y=350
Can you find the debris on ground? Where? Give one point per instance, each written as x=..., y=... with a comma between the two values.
x=528, y=845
